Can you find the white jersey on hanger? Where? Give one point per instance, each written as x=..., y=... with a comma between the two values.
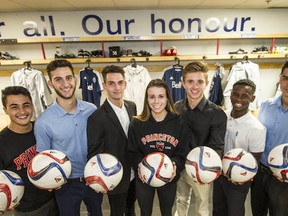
x=137, y=79
x=34, y=80
x=242, y=70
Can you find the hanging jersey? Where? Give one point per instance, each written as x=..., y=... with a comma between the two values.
x=242, y=70
x=91, y=85
x=34, y=80
x=173, y=77
x=137, y=79
x=216, y=92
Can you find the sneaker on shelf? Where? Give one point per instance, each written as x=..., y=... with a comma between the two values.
x=144, y=53
x=8, y=56
x=96, y=53
x=239, y=51
x=123, y=52
x=167, y=52
x=141, y=53
x=173, y=51
x=86, y=54
x=71, y=55
x=129, y=52
x=260, y=50
x=80, y=53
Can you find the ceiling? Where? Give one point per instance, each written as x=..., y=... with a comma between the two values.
x=85, y=5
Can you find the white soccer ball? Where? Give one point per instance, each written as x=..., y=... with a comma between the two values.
x=103, y=172
x=11, y=189
x=156, y=169
x=49, y=169
x=239, y=165
x=278, y=161
x=203, y=164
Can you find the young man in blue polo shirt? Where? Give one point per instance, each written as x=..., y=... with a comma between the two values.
x=63, y=127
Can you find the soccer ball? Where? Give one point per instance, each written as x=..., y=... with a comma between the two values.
x=239, y=165
x=11, y=189
x=156, y=169
x=203, y=164
x=103, y=172
x=278, y=161
x=49, y=169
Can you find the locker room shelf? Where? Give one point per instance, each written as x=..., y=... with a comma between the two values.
x=144, y=38
x=217, y=57
x=150, y=59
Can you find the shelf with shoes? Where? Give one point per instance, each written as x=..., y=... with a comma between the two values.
x=215, y=40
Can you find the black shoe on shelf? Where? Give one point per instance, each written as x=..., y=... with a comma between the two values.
x=260, y=50
x=239, y=51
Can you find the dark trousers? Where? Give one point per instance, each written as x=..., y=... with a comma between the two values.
x=70, y=196
x=228, y=198
x=268, y=193
x=145, y=196
x=117, y=204
x=124, y=203
x=131, y=199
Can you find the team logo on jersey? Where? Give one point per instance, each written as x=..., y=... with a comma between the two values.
x=171, y=78
x=160, y=146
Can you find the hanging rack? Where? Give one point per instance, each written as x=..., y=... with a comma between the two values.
x=134, y=64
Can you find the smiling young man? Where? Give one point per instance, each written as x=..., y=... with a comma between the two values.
x=63, y=127
x=243, y=131
x=268, y=192
x=18, y=147
x=206, y=123
x=107, y=132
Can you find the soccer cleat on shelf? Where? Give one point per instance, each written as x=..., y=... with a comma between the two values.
x=170, y=52
x=239, y=51
x=260, y=50
x=8, y=56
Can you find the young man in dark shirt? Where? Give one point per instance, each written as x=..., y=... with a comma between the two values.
x=18, y=147
x=207, y=125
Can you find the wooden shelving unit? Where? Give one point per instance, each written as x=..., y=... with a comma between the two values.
x=150, y=59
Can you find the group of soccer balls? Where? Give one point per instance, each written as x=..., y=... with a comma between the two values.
x=50, y=169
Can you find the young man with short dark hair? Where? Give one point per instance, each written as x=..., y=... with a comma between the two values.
x=18, y=147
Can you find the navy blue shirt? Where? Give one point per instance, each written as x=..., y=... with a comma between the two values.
x=89, y=83
x=173, y=77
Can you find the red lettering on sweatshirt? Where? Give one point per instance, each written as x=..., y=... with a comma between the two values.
x=24, y=158
x=160, y=137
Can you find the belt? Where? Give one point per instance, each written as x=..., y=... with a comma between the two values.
x=80, y=179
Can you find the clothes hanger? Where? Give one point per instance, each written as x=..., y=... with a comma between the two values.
x=88, y=61
x=27, y=65
x=177, y=63
x=246, y=59
x=134, y=64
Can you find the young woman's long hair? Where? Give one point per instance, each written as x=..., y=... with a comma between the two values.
x=146, y=113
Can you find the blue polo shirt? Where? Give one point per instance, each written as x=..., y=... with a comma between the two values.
x=274, y=118
x=57, y=129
